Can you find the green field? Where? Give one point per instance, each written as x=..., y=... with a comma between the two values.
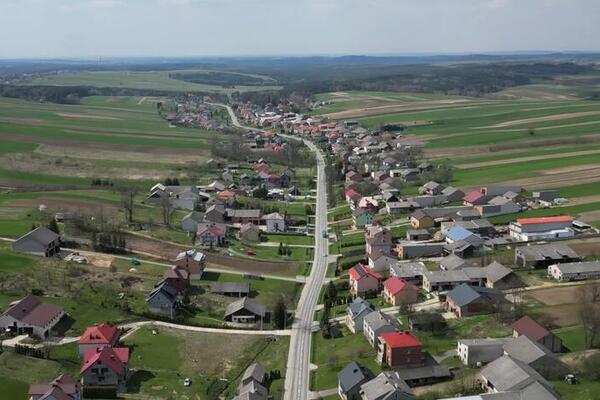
x=154, y=80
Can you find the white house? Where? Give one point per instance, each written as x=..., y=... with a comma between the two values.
x=275, y=222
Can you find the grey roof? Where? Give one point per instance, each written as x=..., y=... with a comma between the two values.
x=256, y=372
x=496, y=272
x=579, y=267
x=41, y=235
x=379, y=322
x=358, y=306
x=230, y=287
x=243, y=213
x=253, y=306
x=408, y=270
x=452, y=262
x=194, y=216
x=353, y=375
x=165, y=289
x=386, y=386
x=465, y=294
x=447, y=276
x=192, y=253
x=541, y=252
x=253, y=387
x=527, y=351
x=508, y=374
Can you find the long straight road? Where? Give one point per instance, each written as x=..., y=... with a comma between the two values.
x=297, y=373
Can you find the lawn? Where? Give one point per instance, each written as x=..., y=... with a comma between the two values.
x=572, y=337
x=214, y=362
x=304, y=240
x=331, y=355
x=585, y=390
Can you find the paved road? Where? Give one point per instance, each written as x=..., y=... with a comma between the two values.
x=297, y=374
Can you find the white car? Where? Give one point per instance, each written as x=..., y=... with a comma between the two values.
x=187, y=382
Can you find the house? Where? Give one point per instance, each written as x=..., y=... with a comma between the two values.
x=378, y=239
x=234, y=289
x=178, y=278
x=398, y=292
x=460, y=234
x=475, y=198
x=350, y=379
x=363, y=281
x=189, y=223
x=352, y=197
x=466, y=300
x=411, y=272
x=98, y=336
x=429, y=373
x=478, y=352
x=399, y=349
x=453, y=194
x=479, y=226
x=454, y=262
x=355, y=314
x=416, y=250
x=245, y=311
x=544, y=255
x=543, y=228
x=215, y=213
x=440, y=281
x=39, y=242
x=353, y=176
x=536, y=355
x=536, y=332
x=497, y=276
x=62, y=387
x=417, y=235
x=275, y=222
x=252, y=384
x=249, y=233
x=368, y=203
x=192, y=261
x=421, y=220
x=386, y=386
x=374, y=325
x=546, y=197
x=431, y=188
x=498, y=205
x=577, y=271
x=506, y=374
x=361, y=218
x=210, y=234
x=162, y=300
x=107, y=367
x=500, y=190
x=30, y=316
x=379, y=262
x=243, y=216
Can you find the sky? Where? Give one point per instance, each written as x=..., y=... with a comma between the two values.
x=104, y=28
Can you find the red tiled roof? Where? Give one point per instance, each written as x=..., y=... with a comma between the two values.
x=530, y=328
x=473, y=196
x=360, y=271
x=395, y=285
x=113, y=358
x=100, y=334
x=400, y=339
x=544, y=220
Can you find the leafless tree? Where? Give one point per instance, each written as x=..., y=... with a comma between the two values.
x=166, y=211
x=589, y=312
x=127, y=202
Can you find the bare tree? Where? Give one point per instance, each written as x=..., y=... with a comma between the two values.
x=166, y=210
x=127, y=202
x=589, y=312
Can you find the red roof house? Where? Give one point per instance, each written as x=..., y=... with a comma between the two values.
x=536, y=333
x=545, y=220
x=363, y=280
x=106, y=367
x=400, y=349
x=98, y=336
x=475, y=198
x=397, y=291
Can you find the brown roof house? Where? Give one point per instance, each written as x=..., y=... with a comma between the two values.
x=537, y=333
x=421, y=220
x=210, y=234
x=62, y=387
x=193, y=261
x=29, y=316
x=39, y=242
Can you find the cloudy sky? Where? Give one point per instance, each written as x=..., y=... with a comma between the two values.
x=91, y=28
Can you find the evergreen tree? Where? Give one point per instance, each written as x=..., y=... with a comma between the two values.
x=280, y=314
x=53, y=226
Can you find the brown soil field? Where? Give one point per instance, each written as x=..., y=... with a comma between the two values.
x=524, y=159
x=394, y=108
x=545, y=128
x=559, y=316
x=84, y=116
x=168, y=250
x=591, y=216
x=556, y=295
x=99, y=154
x=555, y=117
x=553, y=179
x=63, y=204
x=28, y=121
x=587, y=247
x=584, y=200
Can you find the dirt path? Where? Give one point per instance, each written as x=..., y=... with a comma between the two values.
x=84, y=116
x=554, y=117
x=525, y=159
